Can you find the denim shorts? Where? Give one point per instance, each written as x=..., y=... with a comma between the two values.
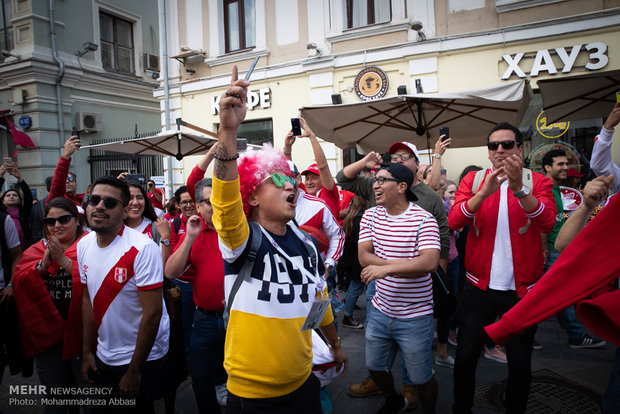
x=414, y=336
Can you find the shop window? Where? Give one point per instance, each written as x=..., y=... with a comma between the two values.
x=239, y=24
x=367, y=12
x=6, y=29
x=117, y=46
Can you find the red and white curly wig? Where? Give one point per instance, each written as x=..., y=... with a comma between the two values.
x=254, y=167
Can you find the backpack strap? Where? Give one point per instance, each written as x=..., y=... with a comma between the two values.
x=155, y=232
x=246, y=268
x=177, y=224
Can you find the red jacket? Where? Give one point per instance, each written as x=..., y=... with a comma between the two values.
x=40, y=323
x=58, y=188
x=526, y=248
x=589, y=263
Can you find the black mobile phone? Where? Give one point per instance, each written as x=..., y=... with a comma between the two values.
x=444, y=131
x=76, y=133
x=247, y=75
x=296, y=126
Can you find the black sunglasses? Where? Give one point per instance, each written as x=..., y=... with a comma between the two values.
x=108, y=202
x=493, y=146
x=51, y=221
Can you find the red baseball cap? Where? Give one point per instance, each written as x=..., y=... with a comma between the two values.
x=406, y=146
x=574, y=172
x=311, y=169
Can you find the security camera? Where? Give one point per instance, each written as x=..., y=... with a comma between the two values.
x=310, y=46
x=155, y=75
x=417, y=25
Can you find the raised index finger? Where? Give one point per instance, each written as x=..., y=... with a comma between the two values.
x=235, y=74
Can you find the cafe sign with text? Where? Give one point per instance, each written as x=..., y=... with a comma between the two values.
x=566, y=58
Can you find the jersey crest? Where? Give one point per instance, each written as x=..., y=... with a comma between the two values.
x=120, y=274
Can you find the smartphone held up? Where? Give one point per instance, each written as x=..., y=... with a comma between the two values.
x=445, y=131
x=296, y=126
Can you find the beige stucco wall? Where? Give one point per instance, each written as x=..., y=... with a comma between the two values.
x=456, y=70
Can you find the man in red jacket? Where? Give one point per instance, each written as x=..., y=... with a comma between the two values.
x=503, y=261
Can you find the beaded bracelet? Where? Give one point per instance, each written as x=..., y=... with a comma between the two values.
x=233, y=158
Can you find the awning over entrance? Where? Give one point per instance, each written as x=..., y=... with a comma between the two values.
x=374, y=125
x=573, y=98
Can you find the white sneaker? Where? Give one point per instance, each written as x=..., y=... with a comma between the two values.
x=221, y=393
x=444, y=362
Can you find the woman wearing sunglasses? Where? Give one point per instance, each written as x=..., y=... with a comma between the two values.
x=48, y=296
x=14, y=205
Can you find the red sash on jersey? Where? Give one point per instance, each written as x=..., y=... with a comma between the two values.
x=114, y=282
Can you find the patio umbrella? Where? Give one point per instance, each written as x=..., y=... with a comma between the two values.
x=572, y=98
x=172, y=142
x=375, y=125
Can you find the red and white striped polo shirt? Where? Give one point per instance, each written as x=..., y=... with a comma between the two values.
x=394, y=237
x=114, y=275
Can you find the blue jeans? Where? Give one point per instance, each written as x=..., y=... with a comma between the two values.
x=370, y=293
x=188, y=307
x=414, y=336
x=611, y=399
x=567, y=317
x=356, y=288
x=206, y=359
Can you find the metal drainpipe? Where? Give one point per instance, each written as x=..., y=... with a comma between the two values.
x=61, y=74
x=164, y=68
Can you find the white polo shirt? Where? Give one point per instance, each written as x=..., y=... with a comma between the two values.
x=113, y=276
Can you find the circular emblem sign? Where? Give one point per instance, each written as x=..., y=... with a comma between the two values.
x=552, y=131
x=371, y=83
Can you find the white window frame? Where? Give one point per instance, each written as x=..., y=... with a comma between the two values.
x=217, y=43
x=338, y=22
x=99, y=6
x=504, y=6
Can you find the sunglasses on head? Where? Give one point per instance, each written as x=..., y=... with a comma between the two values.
x=70, y=178
x=280, y=179
x=108, y=202
x=493, y=146
x=51, y=221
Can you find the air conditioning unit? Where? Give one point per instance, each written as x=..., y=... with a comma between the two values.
x=150, y=62
x=89, y=122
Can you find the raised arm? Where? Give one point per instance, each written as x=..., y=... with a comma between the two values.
x=440, y=149
x=62, y=168
x=198, y=172
x=228, y=218
x=593, y=194
x=319, y=156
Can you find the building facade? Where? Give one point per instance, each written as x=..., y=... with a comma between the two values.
x=94, y=69
x=312, y=49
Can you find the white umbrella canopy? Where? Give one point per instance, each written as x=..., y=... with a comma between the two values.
x=573, y=98
x=375, y=125
x=172, y=142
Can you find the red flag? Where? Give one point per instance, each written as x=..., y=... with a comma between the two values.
x=19, y=137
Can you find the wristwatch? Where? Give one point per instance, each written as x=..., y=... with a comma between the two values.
x=165, y=242
x=525, y=190
x=438, y=156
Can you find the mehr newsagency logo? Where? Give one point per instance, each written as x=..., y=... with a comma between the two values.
x=371, y=83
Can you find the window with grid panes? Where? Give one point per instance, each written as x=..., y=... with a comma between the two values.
x=117, y=49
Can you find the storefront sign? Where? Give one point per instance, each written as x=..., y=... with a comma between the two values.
x=543, y=62
x=261, y=97
x=555, y=130
x=371, y=83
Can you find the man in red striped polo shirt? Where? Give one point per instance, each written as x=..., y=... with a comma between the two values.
x=398, y=247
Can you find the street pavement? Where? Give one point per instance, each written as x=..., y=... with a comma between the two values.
x=588, y=368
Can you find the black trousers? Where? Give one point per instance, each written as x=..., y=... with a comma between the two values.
x=479, y=308
x=304, y=400
x=108, y=376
